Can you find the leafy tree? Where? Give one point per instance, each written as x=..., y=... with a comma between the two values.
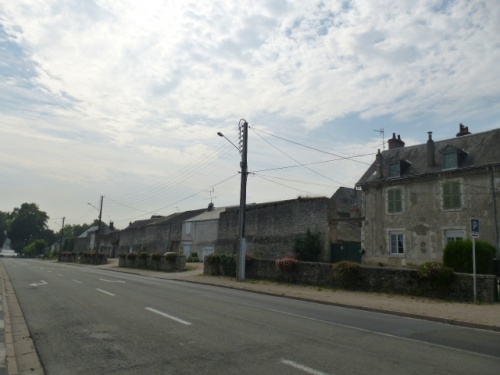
x=307, y=247
x=27, y=223
x=35, y=248
x=3, y=226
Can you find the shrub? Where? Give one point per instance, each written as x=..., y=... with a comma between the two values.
x=347, y=273
x=143, y=255
x=458, y=256
x=228, y=263
x=131, y=256
x=307, y=247
x=435, y=272
x=286, y=264
x=212, y=259
x=156, y=257
x=193, y=259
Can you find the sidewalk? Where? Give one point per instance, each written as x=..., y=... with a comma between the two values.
x=484, y=316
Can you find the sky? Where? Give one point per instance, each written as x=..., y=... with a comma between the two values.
x=124, y=98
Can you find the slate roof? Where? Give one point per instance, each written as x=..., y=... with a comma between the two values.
x=178, y=217
x=481, y=149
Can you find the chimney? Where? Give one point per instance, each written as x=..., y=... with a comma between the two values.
x=111, y=225
x=431, y=159
x=464, y=130
x=380, y=165
x=395, y=142
x=210, y=207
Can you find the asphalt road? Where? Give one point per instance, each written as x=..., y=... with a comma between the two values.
x=89, y=321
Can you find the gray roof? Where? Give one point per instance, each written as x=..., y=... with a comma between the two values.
x=479, y=150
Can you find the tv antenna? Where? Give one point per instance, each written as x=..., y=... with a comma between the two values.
x=211, y=191
x=381, y=131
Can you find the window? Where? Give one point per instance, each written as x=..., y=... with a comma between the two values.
x=454, y=235
x=450, y=160
x=452, y=195
x=395, y=200
x=397, y=243
x=394, y=170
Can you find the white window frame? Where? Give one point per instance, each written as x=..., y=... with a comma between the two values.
x=400, y=241
x=388, y=191
x=453, y=235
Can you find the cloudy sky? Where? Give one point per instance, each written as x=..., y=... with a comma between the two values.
x=124, y=98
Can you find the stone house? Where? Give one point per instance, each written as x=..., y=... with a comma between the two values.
x=271, y=228
x=418, y=198
x=105, y=242
x=199, y=233
x=158, y=234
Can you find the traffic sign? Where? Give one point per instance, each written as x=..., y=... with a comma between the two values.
x=474, y=227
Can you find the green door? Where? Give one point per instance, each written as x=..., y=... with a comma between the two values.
x=350, y=251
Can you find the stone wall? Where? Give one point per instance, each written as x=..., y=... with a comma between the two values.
x=271, y=228
x=371, y=279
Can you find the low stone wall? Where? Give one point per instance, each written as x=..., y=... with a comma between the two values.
x=371, y=279
x=93, y=258
x=177, y=264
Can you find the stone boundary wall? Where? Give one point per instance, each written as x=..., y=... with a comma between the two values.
x=177, y=265
x=370, y=279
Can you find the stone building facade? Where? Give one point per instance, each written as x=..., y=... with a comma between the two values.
x=418, y=198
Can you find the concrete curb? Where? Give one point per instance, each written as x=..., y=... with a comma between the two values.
x=22, y=358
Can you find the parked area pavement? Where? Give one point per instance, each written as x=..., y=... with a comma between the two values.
x=484, y=316
x=18, y=355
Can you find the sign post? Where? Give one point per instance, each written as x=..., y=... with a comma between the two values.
x=474, y=229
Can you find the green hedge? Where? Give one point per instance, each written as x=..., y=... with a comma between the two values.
x=458, y=256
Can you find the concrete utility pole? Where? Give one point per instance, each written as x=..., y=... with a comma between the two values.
x=99, y=226
x=243, y=125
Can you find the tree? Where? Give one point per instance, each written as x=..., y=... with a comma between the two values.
x=27, y=224
x=307, y=247
x=3, y=226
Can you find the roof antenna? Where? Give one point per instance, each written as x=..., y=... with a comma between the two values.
x=211, y=191
x=381, y=131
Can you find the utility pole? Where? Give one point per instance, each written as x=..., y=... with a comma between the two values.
x=243, y=126
x=99, y=226
x=62, y=239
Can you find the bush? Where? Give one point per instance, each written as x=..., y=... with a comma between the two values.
x=228, y=263
x=143, y=255
x=435, y=273
x=156, y=257
x=347, y=273
x=307, y=247
x=213, y=259
x=286, y=264
x=193, y=260
x=170, y=257
x=131, y=256
x=458, y=256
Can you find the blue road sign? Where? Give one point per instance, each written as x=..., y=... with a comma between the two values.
x=474, y=227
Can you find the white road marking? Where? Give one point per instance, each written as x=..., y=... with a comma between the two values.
x=60, y=275
x=302, y=367
x=41, y=283
x=103, y=291
x=165, y=315
x=113, y=281
x=76, y=281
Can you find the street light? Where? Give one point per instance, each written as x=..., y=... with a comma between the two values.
x=242, y=248
x=99, y=225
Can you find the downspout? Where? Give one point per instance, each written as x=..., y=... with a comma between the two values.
x=493, y=190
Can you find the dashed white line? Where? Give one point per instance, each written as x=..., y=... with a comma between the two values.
x=76, y=281
x=60, y=275
x=113, y=281
x=103, y=291
x=165, y=315
x=306, y=369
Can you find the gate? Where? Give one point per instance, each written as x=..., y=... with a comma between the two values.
x=350, y=251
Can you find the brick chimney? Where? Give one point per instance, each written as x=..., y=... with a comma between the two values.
x=395, y=142
x=380, y=165
x=464, y=130
x=431, y=159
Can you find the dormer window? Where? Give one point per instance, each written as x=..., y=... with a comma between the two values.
x=453, y=157
x=394, y=170
x=450, y=160
x=398, y=168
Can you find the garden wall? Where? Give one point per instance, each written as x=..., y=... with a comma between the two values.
x=370, y=279
x=175, y=263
